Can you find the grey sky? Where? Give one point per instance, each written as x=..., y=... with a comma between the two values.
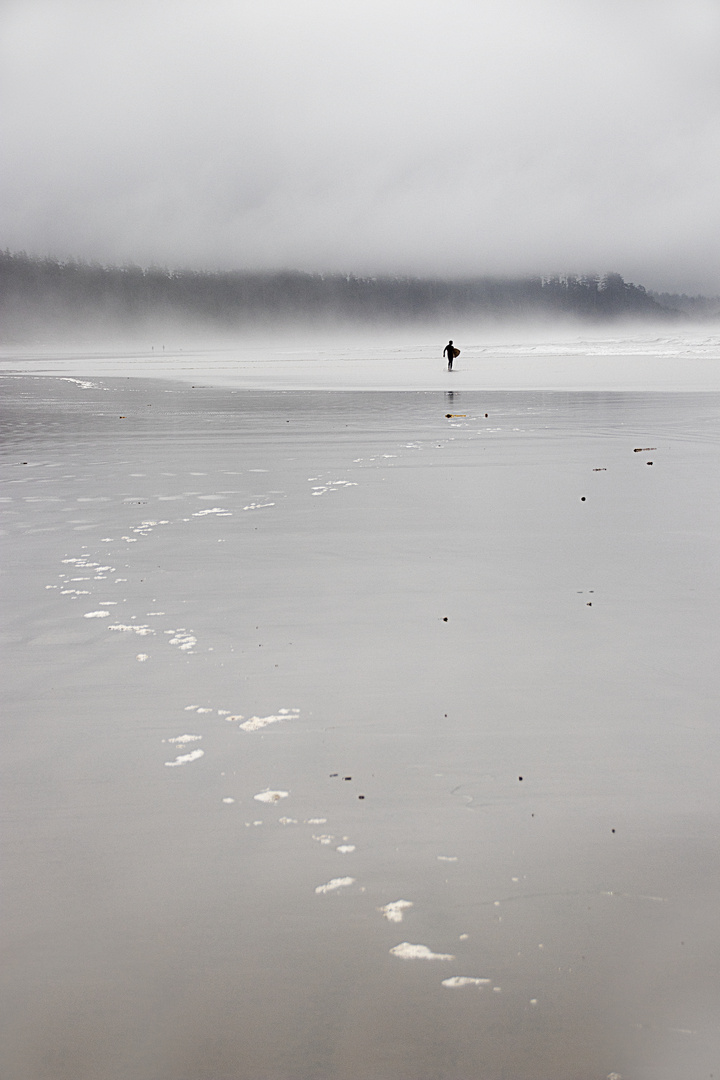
x=410, y=136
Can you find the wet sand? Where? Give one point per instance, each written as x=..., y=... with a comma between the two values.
x=278, y=661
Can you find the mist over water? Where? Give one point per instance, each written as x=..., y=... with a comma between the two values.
x=524, y=355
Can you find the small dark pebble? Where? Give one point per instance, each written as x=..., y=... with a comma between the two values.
x=582, y=498
x=444, y=618
x=519, y=777
x=448, y=415
x=486, y=414
x=347, y=777
x=361, y=796
x=648, y=462
x=589, y=604
x=334, y=774
x=612, y=830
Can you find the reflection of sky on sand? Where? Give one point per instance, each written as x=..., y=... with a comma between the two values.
x=480, y=676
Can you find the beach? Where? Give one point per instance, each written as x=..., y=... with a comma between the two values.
x=354, y=731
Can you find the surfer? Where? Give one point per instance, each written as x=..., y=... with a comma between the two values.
x=452, y=352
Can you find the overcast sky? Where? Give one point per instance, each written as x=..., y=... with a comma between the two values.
x=368, y=136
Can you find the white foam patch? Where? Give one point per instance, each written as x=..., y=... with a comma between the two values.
x=202, y=710
x=464, y=980
x=183, y=639
x=447, y=858
x=255, y=723
x=335, y=883
x=269, y=796
x=316, y=821
x=142, y=631
x=324, y=838
x=185, y=758
x=258, y=506
x=345, y=849
x=185, y=738
x=82, y=383
x=228, y=800
x=96, y=614
x=142, y=657
x=393, y=912
x=406, y=951
x=220, y=510
x=288, y=821
x=229, y=717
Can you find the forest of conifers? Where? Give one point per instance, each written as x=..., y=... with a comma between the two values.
x=48, y=292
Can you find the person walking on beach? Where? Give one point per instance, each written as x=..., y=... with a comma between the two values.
x=452, y=352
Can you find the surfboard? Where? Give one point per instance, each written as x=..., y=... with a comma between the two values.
x=456, y=352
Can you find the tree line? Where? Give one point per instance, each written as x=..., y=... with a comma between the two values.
x=46, y=291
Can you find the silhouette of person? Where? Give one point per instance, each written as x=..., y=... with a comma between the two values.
x=450, y=350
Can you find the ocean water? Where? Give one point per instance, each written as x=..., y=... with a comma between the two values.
x=501, y=358
x=357, y=734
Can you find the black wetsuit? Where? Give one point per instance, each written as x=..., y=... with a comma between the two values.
x=450, y=350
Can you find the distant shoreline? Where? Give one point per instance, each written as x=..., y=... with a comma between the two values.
x=50, y=296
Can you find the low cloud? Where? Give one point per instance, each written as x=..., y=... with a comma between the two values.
x=456, y=138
